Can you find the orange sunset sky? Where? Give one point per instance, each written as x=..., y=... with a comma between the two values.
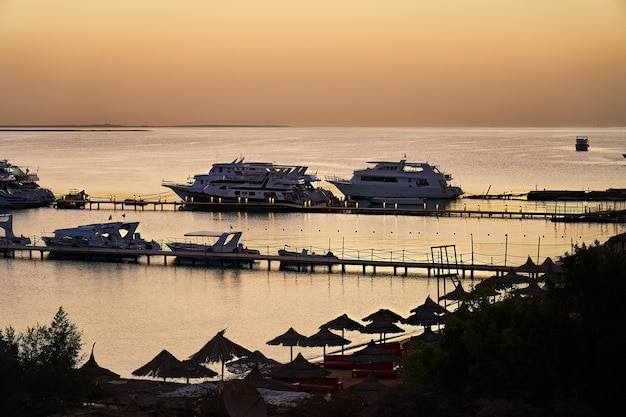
x=313, y=63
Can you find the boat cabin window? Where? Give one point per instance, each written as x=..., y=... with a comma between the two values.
x=421, y=182
x=378, y=179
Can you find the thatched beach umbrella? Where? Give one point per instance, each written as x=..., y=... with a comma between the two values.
x=548, y=265
x=424, y=318
x=529, y=267
x=533, y=290
x=512, y=278
x=188, y=369
x=369, y=386
x=256, y=379
x=372, y=353
x=324, y=337
x=158, y=366
x=299, y=368
x=342, y=323
x=430, y=306
x=219, y=349
x=457, y=294
x=384, y=314
x=382, y=326
x=255, y=359
x=428, y=336
x=290, y=338
x=92, y=367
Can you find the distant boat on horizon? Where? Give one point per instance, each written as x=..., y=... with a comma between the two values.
x=582, y=143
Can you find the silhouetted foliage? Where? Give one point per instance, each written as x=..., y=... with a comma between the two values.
x=566, y=347
x=37, y=368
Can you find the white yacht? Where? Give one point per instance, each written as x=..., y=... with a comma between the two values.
x=19, y=188
x=7, y=237
x=397, y=183
x=114, y=235
x=241, y=182
x=204, y=241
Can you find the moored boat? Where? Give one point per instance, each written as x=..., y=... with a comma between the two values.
x=303, y=259
x=206, y=241
x=241, y=181
x=113, y=235
x=582, y=143
x=196, y=244
x=8, y=239
x=394, y=182
x=73, y=200
x=19, y=188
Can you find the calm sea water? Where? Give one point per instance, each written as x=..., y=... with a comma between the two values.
x=133, y=311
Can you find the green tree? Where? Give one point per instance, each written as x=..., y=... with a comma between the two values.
x=568, y=346
x=64, y=341
x=38, y=369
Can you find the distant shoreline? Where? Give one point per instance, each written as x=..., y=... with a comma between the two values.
x=113, y=128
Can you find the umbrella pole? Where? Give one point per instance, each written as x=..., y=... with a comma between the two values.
x=342, y=333
x=222, y=369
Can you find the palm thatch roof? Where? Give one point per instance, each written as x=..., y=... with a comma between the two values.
x=158, y=366
x=299, y=368
x=92, y=367
x=219, y=349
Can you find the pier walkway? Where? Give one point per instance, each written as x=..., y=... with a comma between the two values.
x=589, y=214
x=243, y=259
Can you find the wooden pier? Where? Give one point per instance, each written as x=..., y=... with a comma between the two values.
x=344, y=208
x=240, y=260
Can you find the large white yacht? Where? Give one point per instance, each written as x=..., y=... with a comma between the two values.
x=241, y=181
x=19, y=188
x=114, y=235
x=397, y=182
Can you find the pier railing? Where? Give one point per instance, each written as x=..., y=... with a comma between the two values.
x=345, y=258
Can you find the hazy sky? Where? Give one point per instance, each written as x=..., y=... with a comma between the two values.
x=314, y=63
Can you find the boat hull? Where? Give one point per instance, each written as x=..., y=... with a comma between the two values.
x=189, y=194
x=19, y=199
x=390, y=193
